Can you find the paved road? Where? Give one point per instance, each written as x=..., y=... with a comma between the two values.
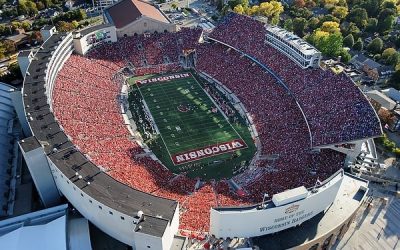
x=376, y=228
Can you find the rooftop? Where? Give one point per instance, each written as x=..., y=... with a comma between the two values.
x=381, y=98
x=127, y=11
x=376, y=227
x=90, y=29
x=292, y=39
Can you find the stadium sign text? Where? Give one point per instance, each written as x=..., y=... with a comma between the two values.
x=287, y=221
x=209, y=151
x=163, y=78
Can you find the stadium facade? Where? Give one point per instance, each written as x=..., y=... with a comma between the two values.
x=139, y=219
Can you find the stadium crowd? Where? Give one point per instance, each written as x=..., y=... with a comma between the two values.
x=335, y=108
x=270, y=106
x=86, y=103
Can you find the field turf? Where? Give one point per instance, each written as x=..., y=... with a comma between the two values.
x=186, y=117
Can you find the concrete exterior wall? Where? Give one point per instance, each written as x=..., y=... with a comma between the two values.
x=23, y=61
x=82, y=46
x=145, y=25
x=42, y=177
x=329, y=238
x=16, y=97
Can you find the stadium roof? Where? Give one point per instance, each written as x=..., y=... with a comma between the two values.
x=127, y=11
x=41, y=230
x=10, y=131
x=7, y=116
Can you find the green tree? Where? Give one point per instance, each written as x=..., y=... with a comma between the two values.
x=345, y=56
x=16, y=25
x=387, y=53
x=329, y=18
x=359, y=16
x=26, y=25
x=395, y=78
x=22, y=8
x=351, y=28
x=393, y=59
x=40, y=6
x=4, y=30
x=386, y=24
x=288, y=25
x=301, y=12
x=371, y=6
x=375, y=46
x=348, y=41
x=330, y=44
x=32, y=9
x=7, y=47
x=372, y=25
x=313, y=23
x=47, y=3
x=299, y=26
x=389, y=5
x=233, y=3
x=359, y=45
x=80, y=15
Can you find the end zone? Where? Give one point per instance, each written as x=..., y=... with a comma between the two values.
x=209, y=151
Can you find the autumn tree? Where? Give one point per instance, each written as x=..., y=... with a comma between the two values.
x=340, y=12
x=330, y=27
x=299, y=3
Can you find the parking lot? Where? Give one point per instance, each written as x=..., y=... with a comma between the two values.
x=201, y=12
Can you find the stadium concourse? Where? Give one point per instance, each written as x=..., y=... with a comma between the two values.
x=85, y=101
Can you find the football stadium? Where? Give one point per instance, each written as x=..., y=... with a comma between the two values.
x=164, y=136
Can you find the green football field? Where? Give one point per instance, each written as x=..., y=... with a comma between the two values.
x=188, y=121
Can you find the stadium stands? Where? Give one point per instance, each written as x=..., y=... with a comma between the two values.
x=85, y=101
x=335, y=108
